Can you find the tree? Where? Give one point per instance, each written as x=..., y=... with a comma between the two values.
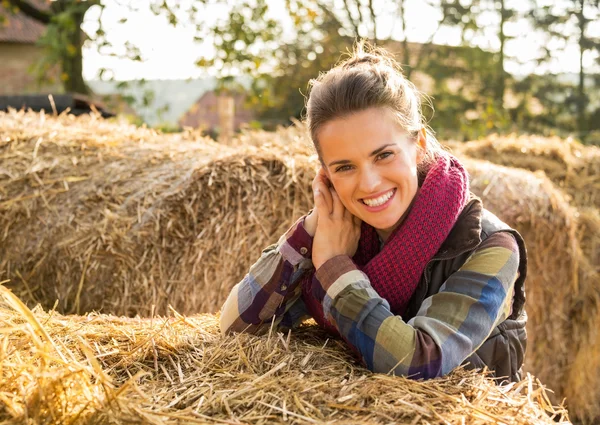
x=361, y=18
x=474, y=18
x=566, y=23
x=64, y=38
x=281, y=68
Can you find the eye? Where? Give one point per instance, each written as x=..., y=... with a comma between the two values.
x=384, y=155
x=343, y=168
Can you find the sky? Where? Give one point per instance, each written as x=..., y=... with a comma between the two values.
x=171, y=52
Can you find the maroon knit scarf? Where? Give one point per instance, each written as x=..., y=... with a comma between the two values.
x=395, y=271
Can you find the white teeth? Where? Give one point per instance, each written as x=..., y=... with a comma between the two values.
x=379, y=201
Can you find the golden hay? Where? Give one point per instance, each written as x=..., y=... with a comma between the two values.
x=181, y=222
x=569, y=164
x=71, y=191
x=178, y=370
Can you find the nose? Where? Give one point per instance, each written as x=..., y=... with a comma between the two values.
x=370, y=181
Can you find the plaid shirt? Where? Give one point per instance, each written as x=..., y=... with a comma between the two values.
x=449, y=326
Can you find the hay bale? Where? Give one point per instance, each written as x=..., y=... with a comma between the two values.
x=127, y=221
x=93, y=369
x=71, y=192
x=588, y=233
x=573, y=167
x=181, y=230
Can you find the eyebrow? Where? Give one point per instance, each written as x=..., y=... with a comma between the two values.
x=347, y=161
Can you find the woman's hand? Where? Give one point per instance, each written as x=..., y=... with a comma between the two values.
x=320, y=184
x=338, y=231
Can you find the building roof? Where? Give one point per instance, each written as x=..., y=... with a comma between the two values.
x=19, y=28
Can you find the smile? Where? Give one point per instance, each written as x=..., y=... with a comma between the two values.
x=380, y=200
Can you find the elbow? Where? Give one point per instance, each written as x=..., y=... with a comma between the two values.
x=229, y=326
x=229, y=314
x=225, y=327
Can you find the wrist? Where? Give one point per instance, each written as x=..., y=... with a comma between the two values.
x=310, y=223
x=319, y=262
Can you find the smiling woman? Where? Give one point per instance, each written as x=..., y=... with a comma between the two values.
x=398, y=258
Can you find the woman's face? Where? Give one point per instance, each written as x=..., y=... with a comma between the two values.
x=372, y=164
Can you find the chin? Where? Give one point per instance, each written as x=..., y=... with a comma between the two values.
x=384, y=223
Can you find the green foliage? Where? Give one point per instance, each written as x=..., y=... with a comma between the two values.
x=567, y=23
x=472, y=93
x=168, y=128
x=64, y=38
x=242, y=41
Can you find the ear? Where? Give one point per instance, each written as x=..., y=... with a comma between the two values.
x=421, y=145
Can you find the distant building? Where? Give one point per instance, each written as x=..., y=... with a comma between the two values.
x=18, y=52
x=204, y=113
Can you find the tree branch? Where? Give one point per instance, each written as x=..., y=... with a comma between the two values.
x=374, y=19
x=426, y=47
x=351, y=18
x=31, y=11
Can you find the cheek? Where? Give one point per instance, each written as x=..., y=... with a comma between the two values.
x=345, y=189
x=407, y=172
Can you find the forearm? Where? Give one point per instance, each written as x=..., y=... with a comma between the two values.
x=271, y=286
x=383, y=340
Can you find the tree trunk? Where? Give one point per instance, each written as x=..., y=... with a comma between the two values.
x=581, y=97
x=73, y=64
x=374, y=19
x=351, y=18
x=501, y=84
x=407, y=68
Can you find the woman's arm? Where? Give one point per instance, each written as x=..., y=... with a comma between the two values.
x=271, y=290
x=449, y=326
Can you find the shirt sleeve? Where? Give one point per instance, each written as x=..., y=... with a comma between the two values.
x=449, y=326
x=271, y=291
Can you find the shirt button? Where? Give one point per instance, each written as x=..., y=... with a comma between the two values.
x=283, y=287
x=303, y=250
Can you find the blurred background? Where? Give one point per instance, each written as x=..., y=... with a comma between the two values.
x=489, y=66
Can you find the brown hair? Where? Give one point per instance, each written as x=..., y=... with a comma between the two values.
x=369, y=78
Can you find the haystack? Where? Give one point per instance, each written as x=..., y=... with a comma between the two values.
x=72, y=191
x=573, y=167
x=94, y=369
x=161, y=222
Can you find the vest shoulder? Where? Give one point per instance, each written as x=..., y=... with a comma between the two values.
x=490, y=223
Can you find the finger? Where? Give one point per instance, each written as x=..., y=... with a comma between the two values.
x=319, y=184
x=321, y=200
x=327, y=198
x=338, y=207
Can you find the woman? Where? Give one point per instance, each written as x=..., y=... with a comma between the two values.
x=398, y=258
